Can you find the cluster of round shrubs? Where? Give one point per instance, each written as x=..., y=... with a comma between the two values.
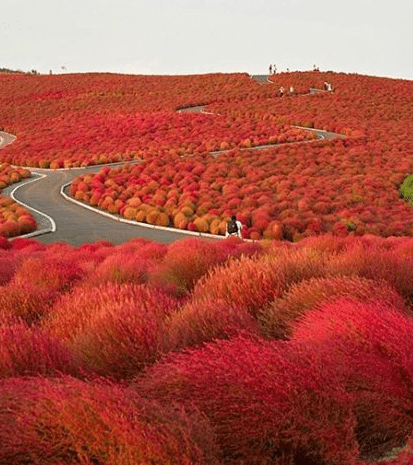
x=15, y=220
x=207, y=352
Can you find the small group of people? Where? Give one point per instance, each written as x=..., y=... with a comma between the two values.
x=281, y=91
x=273, y=69
x=328, y=87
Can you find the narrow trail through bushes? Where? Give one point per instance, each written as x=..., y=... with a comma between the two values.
x=62, y=218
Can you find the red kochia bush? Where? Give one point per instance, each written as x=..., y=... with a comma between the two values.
x=203, y=321
x=64, y=420
x=49, y=273
x=185, y=262
x=369, y=346
x=252, y=282
x=29, y=351
x=263, y=400
x=246, y=283
x=116, y=329
x=120, y=268
x=277, y=317
x=26, y=301
x=8, y=267
x=376, y=263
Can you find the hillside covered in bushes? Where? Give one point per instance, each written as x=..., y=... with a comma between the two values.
x=292, y=349
x=295, y=186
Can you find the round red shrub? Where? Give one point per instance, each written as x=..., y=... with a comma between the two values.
x=262, y=399
x=28, y=351
x=302, y=297
x=369, y=344
x=66, y=420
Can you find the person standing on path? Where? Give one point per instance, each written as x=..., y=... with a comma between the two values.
x=234, y=227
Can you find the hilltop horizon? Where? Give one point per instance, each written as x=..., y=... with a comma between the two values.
x=65, y=73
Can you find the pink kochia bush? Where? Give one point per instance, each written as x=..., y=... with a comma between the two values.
x=67, y=421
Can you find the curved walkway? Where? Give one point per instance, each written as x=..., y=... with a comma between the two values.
x=72, y=221
x=77, y=223
x=6, y=139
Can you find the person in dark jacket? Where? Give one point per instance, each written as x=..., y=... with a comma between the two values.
x=234, y=227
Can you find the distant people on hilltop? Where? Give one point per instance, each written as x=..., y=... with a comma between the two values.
x=316, y=68
x=270, y=69
x=274, y=69
x=234, y=227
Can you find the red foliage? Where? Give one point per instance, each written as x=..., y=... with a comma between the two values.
x=116, y=329
x=246, y=284
x=376, y=263
x=121, y=267
x=99, y=117
x=340, y=387
x=198, y=322
x=185, y=262
x=61, y=421
x=50, y=274
x=369, y=346
x=8, y=267
x=113, y=111
x=14, y=219
x=26, y=301
x=249, y=390
x=28, y=351
x=301, y=298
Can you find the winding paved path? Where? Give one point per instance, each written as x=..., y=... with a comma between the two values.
x=71, y=222
x=62, y=220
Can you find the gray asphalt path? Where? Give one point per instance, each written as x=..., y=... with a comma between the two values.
x=6, y=139
x=62, y=221
x=73, y=223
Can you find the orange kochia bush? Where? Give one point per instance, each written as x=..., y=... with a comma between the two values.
x=14, y=219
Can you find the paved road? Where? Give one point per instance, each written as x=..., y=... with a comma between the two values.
x=261, y=78
x=6, y=139
x=73, y=223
